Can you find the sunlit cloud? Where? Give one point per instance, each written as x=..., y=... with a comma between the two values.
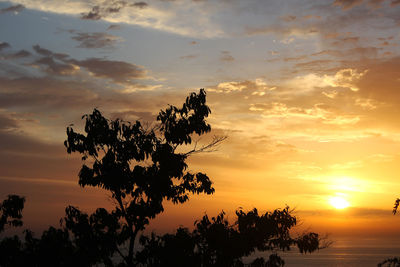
x=345, y=78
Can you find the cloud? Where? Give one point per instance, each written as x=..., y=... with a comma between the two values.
x=95, y=40
x=226, y=56
x=114, y=27
x=132, y=115
x=367, y=103
x=118, y=71
x=107, y=8
x=258, y=87
x=16, y=55
x=347, y=40
x=362, y=52
x=140, y=5
x=45, y=52
x=4, y=45
x=7, y=123
x=94, y=14
x=322, y=112
x=161, y=15
x=287, y=33
x=298, y=58
x=16, y=9
x=53, y=67
x=347, y=4
x=345, y=78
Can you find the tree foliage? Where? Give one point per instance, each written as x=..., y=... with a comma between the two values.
x=215, y=242
x=142, y=167
x=11, y=211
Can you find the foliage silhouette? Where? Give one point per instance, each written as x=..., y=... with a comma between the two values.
x=217, y=243
x=392, y=262
x=11, y=211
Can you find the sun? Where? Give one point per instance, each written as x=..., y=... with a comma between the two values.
x=339, y=202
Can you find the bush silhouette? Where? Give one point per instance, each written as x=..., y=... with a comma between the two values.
x=215, y=242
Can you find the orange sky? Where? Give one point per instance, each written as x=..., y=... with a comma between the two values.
x=308, y=94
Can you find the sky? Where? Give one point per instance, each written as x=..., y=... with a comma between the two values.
x=307, y=92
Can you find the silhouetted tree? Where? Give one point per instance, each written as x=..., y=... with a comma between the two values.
x=11, y=211
x=396, y=205
x=140, y=168
x=215, y=242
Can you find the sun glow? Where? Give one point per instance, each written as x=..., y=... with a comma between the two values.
x=339, y=202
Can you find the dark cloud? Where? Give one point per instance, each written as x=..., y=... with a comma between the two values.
x=226, y=56
x=140, y=5
x=4, y=45
x=94, y=14
x=118, y=71
x=53, y=67
x=15, y=9
x=21, y=53
x=54, y=63
x=61, y=64
x=42, y=51
x=45, y=52
x=16, y=55
x=95, y=40
x=108, y=7
x=114, y=27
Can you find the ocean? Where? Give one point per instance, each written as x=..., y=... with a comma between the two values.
x=346, y=253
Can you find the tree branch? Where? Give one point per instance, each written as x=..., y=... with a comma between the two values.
x=217, y=140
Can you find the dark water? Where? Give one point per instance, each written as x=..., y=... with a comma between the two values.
x=368, y=252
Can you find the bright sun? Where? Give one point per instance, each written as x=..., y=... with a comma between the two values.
x=339, y=202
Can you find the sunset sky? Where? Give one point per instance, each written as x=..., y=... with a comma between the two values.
x=308, y=93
